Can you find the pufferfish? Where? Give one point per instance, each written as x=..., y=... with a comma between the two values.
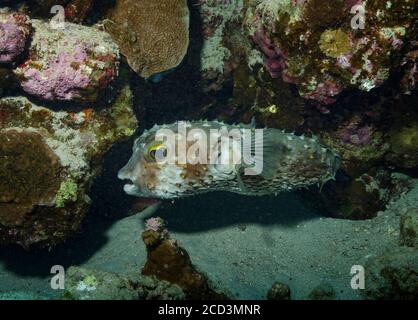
x=288, y=161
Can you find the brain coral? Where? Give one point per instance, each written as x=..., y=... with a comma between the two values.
x=153, y=35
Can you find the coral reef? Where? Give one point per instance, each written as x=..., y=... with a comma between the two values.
x=166, y=260
x=15, y=33
x=48, y=161
x=360, y=144
x=410, y=63
x=403, y=139
x=87, y=284
x=303, y=68
x=71, y=64
x=313, y=44
x=393, y=275
x=359, y=197
x=152, y=35
x=216, y=17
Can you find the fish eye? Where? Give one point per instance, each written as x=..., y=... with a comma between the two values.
x=158, y=152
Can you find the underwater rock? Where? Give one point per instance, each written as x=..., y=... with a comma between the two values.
x=393, y=275
x=152, y=35
x=360, y=144
x=324, y=291
x=359, y=197
x=409, y=228
x=286, y=161
x=403, y=139
x=279, y=291
x=48, y=160
x=75, y=63
x=166, y=260
x=15, y=32
x=86, y=284
x=312, y=43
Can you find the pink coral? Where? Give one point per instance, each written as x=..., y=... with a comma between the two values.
x=15, y=31
x=274, y=56
x=324, y=92
x=155, y=224
x=72, y=65
x=62, y=79
x=356, y=135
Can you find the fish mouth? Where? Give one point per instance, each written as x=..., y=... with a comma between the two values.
x=131, y=189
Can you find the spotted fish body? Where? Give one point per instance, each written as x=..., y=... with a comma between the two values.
x=289, y=162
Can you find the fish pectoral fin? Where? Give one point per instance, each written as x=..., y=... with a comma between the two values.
x=266, y=152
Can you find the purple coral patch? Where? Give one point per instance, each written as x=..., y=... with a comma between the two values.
x=15, y=30
x=61, y=79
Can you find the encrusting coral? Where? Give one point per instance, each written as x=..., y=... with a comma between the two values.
x=71, y=64
x=317, y=45
x=48, y=160
x=15, y=32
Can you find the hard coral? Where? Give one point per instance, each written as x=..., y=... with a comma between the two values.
x=153, y=35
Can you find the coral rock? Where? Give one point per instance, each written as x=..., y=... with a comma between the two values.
x=153, y=35
x=166, y=260
x=15, y=32
x=85, y=284
x=47, y=163
x=70, y=64
x=403, y=139
x=393, y=275
x=312, y=43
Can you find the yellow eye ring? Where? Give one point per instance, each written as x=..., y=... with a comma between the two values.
x=157, y=151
